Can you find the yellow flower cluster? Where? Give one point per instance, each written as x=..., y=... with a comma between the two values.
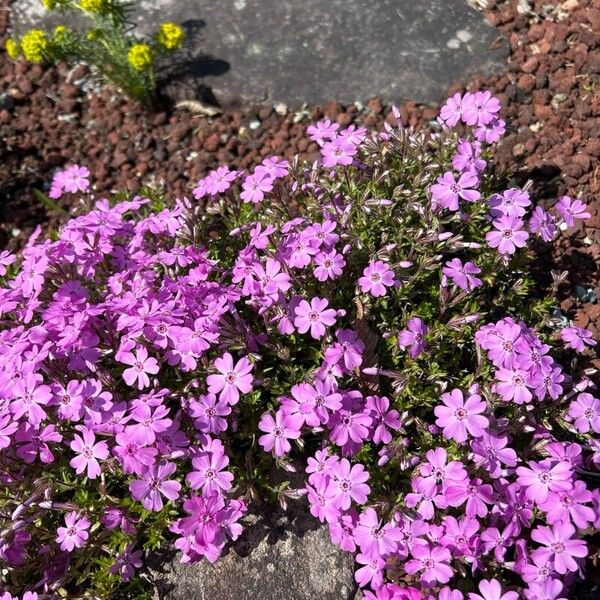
x=34, y=44
x=49, y=4
x=12, y=48
x=140, y=57
x=170, y=36
x=60, y=32
x=93, y=6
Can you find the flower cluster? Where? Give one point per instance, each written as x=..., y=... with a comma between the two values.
x=366, y=321
x=108, y=46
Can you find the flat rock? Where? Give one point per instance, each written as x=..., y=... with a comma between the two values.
x=289, y=557
x=290, y=52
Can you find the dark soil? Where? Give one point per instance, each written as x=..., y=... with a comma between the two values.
x=550, y=91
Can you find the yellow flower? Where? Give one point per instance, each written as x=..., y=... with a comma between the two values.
x=12, y=48
x=49, y=4
x=170, y=36
x=59, y=33
x=34, y=44
x=140, y=57
x=93, y=6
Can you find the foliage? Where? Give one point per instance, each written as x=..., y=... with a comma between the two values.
x=369, y=319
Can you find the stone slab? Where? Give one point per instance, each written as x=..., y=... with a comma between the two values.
x=286, y=557
x=295, y=51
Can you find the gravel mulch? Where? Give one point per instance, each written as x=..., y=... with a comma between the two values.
x=550, y=91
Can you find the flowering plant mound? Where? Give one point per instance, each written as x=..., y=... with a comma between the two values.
x=108, y=46
x=367, y=320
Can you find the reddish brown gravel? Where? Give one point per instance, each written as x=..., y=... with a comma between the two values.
x=550, y=91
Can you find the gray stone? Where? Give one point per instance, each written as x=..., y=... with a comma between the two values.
x=292, y=51
x=285, y=557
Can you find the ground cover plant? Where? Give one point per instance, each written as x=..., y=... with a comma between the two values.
x=368, y=320
x=108, y=46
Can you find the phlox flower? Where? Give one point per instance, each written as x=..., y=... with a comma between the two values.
x=549, y=589
x=155, y=484
x=330, y=265
x=347, y=424
x=460, y=535
x=436, y=472
x=340, y=151
x=277, y=432
x=209, y=414
x=577, y=338
x=7, y=427
x=34, y=442
x=373, y=537
x=508, y=235
x=383, y=419
x=149, y=423
x=141, y=365
x=208, y=473
x=462, y=276
x=376, y=277
x=543, y=477
x=452, y=110
x=447, y=190
x=349, y=483
x=476, y=494
x=569, y=506
x=560, y=549
x=341, y=530
x=255, y=186
x=570, y=210
x=513, y=384
x=513, y=202
x=126, y=563
x=74, y=534
x=460, y=418
x=231, y=379
x=413, y=337
x=29, y=397
x=319, y=467
x=468, y=157
x=490, y=589
x=371, y=572
x=585, y=413
x=480, y=108
x=6, y=259
x=491, y=133
x=431, y=562
x=322, y=131
x=322, y=498
x=543, y=224
x=353, y=134
x=348, y=350
x=89, y=452
x=314, y=316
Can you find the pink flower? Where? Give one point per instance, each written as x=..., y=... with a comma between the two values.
x=29, y=397
x=371, y=572
x=278, y=431
x=570, y=210
x=89, y=451
x=340, y=151
x=141, y=365
x=255, y=187
x=75, y=534
x=577, y=338
x=585, y=411
x=75, y=179
x=463, y=276
x=480, y=108
x=543, y=223
x=329, y=265
x=445, y=193
x=232, y=379
x=349, y=482
x=508, y=235
x=432, y=563
x=314, y=316
x=459, y=418
x=452, y=110
x=154, y=483
x=6, y=259
x=543, y=477
x=377, y=276
x=491, y=590
x=560, y=549
x=382, y=419
x=373, y=537
x=413, y=337
x=208, y=473
x=322, y=131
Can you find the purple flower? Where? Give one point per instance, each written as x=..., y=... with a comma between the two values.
x=154, y=485
x=126, y=563
x=6, y=259
x=89, y=452
x=278, y=431
x=141, y=365
x=314, y=316
x=447, y=190
x=431, y=562
x=570, y=210
x=543, y=477
x=463, y=276
x=322, y=498
x=339, y=151
x=577, y=338
x=480, y=108
x=468, y=157
x=371, y=572
x=208, y=473
x=330, y=265
x=491, y=590
x=349, y=483
x=491, y=453
x=209, y=414
x=508, y=235
x=511, y=203
x=560, y=549
x=74, y=534
x=413, y=337
x=382, y=418
x=543, y=223
x=322, y=131
x=255, y=186
x=569, y=506
x=585, y=412
x=373, y=537
x=347, y=350
x=376, y=277
x=231, y=379
x=452, y=110
x=459, y=418
x=513, y=384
